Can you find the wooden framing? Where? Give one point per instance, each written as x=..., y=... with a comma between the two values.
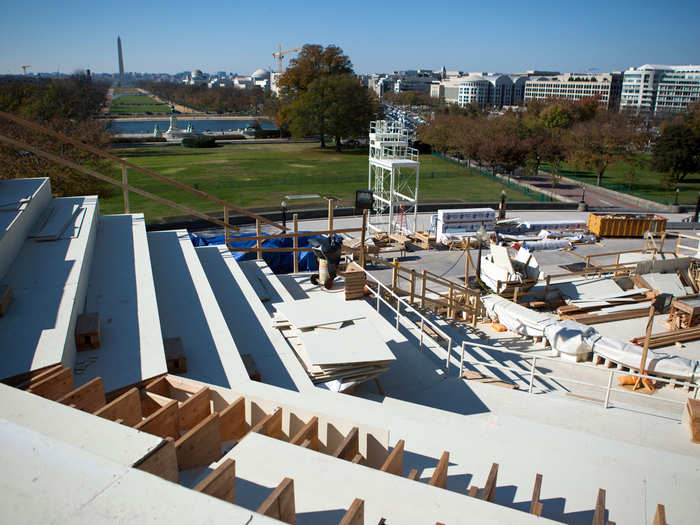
x=439, y=477
x=163, y=422
x=349, y=447
x=414, y=474
x=308, y=432
x=201, y=446
x=394, y=462
x=270, y=425
x=355, y=515
x=26, y=380
x=232, y=420
x=535, y=505
x=89, y=397
x=490, y=487
x=54, y=385
x=280, y=503
x=599, y=513
x=195, y=408
x=220, y=483
x=161, y=461
x=660, y=515
x=126, y=407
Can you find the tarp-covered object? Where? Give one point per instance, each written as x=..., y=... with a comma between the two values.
x=516, y=318
x=279, y=262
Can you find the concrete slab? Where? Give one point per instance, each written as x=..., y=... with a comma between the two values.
x=319, y=309
x=121, y=290
x=188, y=309
x=248, y=320
x=49, y=280
x=22, y=203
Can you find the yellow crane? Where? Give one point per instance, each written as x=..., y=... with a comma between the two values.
x=25, y=69
x=280, y=55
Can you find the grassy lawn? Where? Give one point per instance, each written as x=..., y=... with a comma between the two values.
x=130, y=104
x=648, y=184
x=261, y=175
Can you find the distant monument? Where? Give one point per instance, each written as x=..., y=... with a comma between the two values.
x=176, y=133
x=121, y=60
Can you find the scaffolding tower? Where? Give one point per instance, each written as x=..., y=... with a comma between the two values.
x=393, y=177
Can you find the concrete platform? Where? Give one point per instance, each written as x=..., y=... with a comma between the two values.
x=188, y=309
x=121, y=290
x=249, y=321
x=22, y=202
x=49, y=280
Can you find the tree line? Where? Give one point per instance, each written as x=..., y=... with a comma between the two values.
x=218, y=99
x=68, y=106
x=557, y=131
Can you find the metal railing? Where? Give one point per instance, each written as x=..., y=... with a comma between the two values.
x=611, y=372
x=424, y=321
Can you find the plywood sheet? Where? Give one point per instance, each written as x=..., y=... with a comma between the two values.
x=355, y=343
x=318, y=310
x=501, y=258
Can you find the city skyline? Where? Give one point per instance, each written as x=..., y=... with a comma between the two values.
x=596, y=37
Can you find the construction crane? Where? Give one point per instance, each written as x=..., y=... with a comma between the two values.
x=25, y=69
x=280, y=56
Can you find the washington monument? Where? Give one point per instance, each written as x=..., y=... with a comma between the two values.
x=121, y=60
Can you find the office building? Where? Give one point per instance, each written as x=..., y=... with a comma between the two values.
x=576, y=86
x=659, y=89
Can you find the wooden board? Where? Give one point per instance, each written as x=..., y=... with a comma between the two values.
x=280, y=503
x=126, y=407
x=195, y=409
x=89, y=397
x=161, y=461
x=599, y=512
x=270, y=425
x=201, y=446
x=472, y=375
x=490, y=488
x=535, y=505
x=55, y=385
x=232, y=422
x=349, y=447
x=220, y=483
x=308, y=432
x=439, y=477
x=163, y=422
x=355, y=515
x=394, y=463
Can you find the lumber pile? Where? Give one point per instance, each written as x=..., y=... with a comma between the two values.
x=691, y=419
x=354, y=282
x=670, y=337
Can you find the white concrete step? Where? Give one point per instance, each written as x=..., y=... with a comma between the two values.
x=188, y=309
x=49, y=280
x=264, y=281
x=22, y=203
x=122, y=291
x=249, y=321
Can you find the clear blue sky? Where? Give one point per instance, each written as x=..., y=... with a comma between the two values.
x=505, y=36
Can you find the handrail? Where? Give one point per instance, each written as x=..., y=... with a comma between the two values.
x=424, y=320
x=114, y=158
x=534, y=373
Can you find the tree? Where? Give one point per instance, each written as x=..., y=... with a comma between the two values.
x=312, y=62
x=598, y=143
x=677, y=150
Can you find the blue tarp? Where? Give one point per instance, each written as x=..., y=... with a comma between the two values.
x=279, y=262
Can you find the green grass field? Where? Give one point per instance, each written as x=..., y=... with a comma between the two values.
x=648, y=184
x=130, y=104
x=261, y=175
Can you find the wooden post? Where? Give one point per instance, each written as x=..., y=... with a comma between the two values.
x=588, y=261
x=125, y=181
x=295, y=242
x=475, y=310
x=258, y=231
x=362, y=237
x=451, y=303
x=280, y=503
x=331, y=204
x=660, y=516
x=226, y=228
x=412, y=286
x=678, y=245
x=394, y=275
x=515, y=294
x=650, y=322
x=422, y=290
x=467, y=257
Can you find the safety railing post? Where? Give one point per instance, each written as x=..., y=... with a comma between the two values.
x=258, y=232
x=295, y=243
x=461, y=361
x=607, y=390
x=532, y=374
x=420, y=341
x=398, y=312
x=125, y=182
x=447, y=358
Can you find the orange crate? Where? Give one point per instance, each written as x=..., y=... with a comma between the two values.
x=625, y=225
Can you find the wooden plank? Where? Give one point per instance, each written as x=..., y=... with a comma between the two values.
x=660, y=516
x=28, y=379
x=414, y=474
x=55, y=385
x=270, y=425
x=349, y=447
x=473, y=491
x=394, y=463
x=126, y=407
x=221, y=483
x=195, y=408
x=161, y=461
x=490, y=488
x=439, y=477
x=232, y=423
x=535, y=505
x=308, y=431
x=478, y=377
x=164, y=422
x=201, y=446
x=280, y=503
x=355, y=514
x=599, y=513
x=89, y=397
x=160, y=386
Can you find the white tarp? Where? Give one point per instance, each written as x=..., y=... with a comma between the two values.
x=516, y=318
x=569, y=337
